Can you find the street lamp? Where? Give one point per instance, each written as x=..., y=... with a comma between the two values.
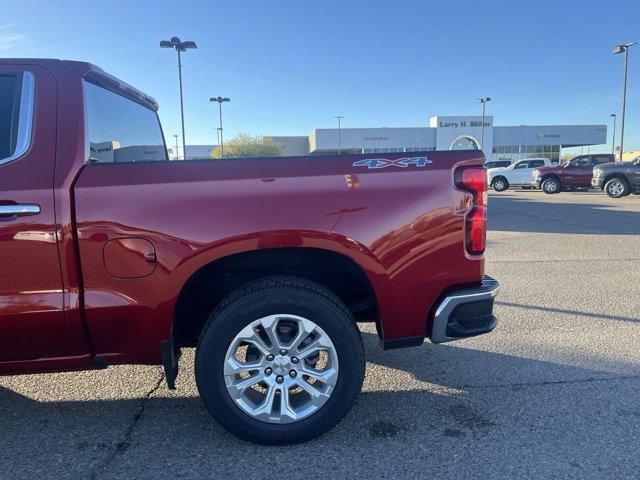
x=613, y=140
x=623, y=48
x=339, y=117
x=483, y=101
x=220, y=101
x=177, y=152
x=179, y=46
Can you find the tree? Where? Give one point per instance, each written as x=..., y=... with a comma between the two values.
x=245, y=145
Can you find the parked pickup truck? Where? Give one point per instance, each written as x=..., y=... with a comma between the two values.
x=572, y=175
x=617, y=179
x=517, y=174
x=111, y=254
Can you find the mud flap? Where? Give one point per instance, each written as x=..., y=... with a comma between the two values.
x=170, y=360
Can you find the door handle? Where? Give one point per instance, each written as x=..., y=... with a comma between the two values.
x=19, y=210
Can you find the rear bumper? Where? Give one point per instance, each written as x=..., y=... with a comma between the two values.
x=465, y=313
x=536, y=182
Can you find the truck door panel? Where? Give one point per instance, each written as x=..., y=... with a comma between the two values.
x=577, y=171
x=520, y=173
x=634, y=173
x=31, y=297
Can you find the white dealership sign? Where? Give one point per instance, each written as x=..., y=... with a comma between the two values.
x=451, y=131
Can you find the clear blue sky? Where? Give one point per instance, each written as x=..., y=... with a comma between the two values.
x=290, y=66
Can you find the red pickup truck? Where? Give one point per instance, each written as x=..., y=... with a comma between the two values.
x=572, y=175
x=111, y=254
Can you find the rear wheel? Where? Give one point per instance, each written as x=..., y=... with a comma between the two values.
x=500, y=184
x=280, y=361
x=616, y=188
x=550, y=185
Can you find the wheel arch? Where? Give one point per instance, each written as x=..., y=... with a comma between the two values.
x=500, y=176
x=547, y=176
x=215, y=279
x=613, y=175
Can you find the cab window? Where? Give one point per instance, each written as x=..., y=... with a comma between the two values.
x=600, y=159
x=120, y=130
x=521, y=165
x=579, y=162
x=16, y=114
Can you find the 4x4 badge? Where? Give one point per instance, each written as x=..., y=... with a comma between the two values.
x=397, y=162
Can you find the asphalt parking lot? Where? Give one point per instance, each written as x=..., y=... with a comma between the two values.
x=552, y=393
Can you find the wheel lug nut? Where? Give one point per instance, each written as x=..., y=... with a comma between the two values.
x=279, y=379
x=270, y=357
x=283, y=352
x=294, y=360
x=293, y=373
x=268, y=371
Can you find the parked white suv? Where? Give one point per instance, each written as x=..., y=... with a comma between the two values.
x=518, y=174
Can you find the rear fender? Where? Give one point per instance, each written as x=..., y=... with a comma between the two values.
x=354, y=251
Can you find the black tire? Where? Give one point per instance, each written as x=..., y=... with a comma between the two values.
x=500, y=184
x=551, y=185
x=268, y=296
x=616, y=187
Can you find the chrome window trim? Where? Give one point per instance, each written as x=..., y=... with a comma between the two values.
x=25, y=120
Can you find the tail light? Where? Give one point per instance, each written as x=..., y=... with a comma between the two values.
x=474, y=181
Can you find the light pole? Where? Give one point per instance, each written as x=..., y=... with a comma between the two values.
x=339, y=117
x=179, y=46
x=613, y=140
x=177, y=152
x=220, y=101
x=623, y=48
x=483, y=101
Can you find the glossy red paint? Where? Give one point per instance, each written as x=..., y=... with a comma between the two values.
x=129, y=257
x=55, y=157
x=31, y=297
x=403, y=226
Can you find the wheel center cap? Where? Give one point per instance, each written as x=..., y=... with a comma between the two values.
x=281, y=365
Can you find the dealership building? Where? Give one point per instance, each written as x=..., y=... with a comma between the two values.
x=443, y=133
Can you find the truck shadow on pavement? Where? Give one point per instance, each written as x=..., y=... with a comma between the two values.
x=425, y=395
x=564, y=311
x=466, y=369
x=525, y=213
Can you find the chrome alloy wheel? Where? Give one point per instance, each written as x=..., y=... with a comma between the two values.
x=550, y=186
x=615, y=188
x=498, y=185
x=281, y=368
